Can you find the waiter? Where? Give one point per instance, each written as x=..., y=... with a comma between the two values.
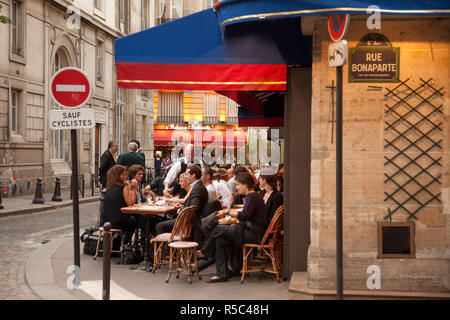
x=180, y=167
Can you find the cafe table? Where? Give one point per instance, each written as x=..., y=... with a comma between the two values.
x=147, y=210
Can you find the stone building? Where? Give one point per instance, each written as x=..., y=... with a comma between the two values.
x=395, y=141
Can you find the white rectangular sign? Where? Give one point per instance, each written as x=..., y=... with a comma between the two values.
x=337, y=53
x=71, y=119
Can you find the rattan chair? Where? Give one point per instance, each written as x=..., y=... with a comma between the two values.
x=181, y=231
x=270, y=246
x=114, y=233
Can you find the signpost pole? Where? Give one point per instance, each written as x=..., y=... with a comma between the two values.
x=76, y=208
x=339, y=248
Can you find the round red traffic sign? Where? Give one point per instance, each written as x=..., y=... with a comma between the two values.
x=338, y=25
x=70, y=87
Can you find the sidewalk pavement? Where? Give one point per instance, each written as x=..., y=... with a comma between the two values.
x=46, y=274
x=24, y=205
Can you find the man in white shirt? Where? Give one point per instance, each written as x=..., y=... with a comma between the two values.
x=179, y=167
x=207, y=174
x=223, y=192
x=231, y=184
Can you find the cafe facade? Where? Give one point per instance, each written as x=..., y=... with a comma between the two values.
x=396, y=215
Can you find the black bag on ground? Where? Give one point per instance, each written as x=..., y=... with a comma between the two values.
x=130, y=255
x=90, y=238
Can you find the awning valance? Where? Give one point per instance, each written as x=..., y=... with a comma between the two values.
x=191, y=53
x=237, y=11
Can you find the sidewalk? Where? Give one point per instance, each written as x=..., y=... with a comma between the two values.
x=47, y=277
x=24, y=205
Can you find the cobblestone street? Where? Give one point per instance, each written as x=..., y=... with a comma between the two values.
x=20, y=235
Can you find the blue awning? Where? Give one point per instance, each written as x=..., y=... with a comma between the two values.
x=236, y=11
x=191, y=53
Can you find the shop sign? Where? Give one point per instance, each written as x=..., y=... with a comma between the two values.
x=374, y=60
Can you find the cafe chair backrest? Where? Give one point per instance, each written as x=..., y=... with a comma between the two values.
x=275, y=227
x=184, y=224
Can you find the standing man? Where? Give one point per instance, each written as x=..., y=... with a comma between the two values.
x=139, y=150
x=107, y=161
x=130, y=158
x=180, y=167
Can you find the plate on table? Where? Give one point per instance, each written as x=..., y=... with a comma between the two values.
x=228, y=220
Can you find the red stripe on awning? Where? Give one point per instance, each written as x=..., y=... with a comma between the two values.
x=225, y=77
x=234, y=138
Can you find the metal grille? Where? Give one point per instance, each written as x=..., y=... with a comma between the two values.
x=413, y=147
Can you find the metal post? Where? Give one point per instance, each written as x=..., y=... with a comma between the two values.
x=106, y=260
x=57, y=191
x=38, y=196
x=1, y=191
x=76, y=208
x=339, y=250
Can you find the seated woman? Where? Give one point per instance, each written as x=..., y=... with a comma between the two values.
x=119, y=193
x=136, y=172
x=272, y=198
x=185, y=189
x=250, y=229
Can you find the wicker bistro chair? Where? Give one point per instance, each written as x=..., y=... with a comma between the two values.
x=185, y=252
x=181, y=231
x=270, y=246
x=114, y=233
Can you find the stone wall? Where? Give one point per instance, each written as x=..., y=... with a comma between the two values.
x=424, y=53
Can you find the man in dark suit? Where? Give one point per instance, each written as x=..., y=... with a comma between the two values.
x=107, y=161
x=198, y=196
x=139, y=150
x=130, y=158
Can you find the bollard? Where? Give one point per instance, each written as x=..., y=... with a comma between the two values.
x=106, y=260
x=92, y=185
x=82, y=185
x=57, y=192
x=1, y=191
x=38, y=196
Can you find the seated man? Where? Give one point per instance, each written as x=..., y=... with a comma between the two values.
x=198, y=196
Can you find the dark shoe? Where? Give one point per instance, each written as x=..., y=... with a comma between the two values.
x=217, y=280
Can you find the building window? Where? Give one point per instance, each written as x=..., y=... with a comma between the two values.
x=210, y=108
x=169, y=10
x=210, y=3
x=170, y=107
x=15, y=107
x=119, y=118
x=100, y=60
x=98, y=4
x=17, y=29
x=232, y=112
x=123, y=16
x=144, y=14
x=396, y=240
x=59, y=142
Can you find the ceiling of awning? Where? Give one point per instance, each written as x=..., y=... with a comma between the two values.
x=237, y=11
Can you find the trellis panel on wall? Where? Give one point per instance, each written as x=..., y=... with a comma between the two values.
x=413, y=147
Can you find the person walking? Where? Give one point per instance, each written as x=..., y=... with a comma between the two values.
x=107, y=161
x=130, y=158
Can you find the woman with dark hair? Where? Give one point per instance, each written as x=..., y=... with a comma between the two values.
x=250, y=229
x=280, y=183
x=272, y=198
x=119, y=193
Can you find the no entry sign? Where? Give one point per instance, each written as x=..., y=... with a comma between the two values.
x=338, y=25
x=70, y=87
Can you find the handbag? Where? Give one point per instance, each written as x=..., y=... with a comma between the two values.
x=90, y=239
x=130, y=255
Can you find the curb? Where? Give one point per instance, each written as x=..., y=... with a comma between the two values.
x=39, y=272
x=45, y=207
